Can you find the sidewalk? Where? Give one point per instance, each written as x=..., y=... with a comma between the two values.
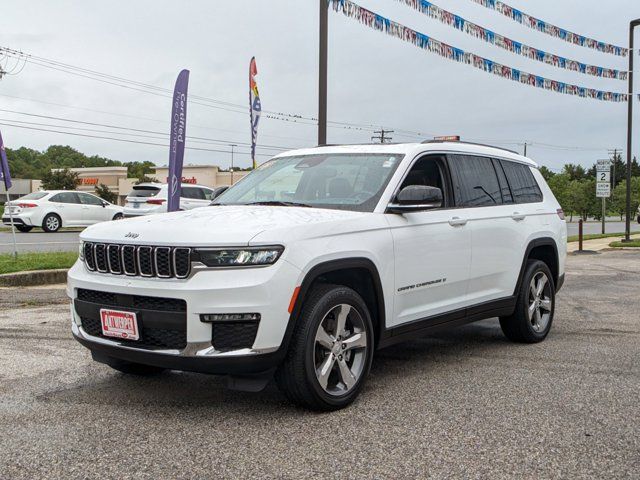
x=597, y=244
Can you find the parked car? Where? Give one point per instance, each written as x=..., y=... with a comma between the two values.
x=320, y=257
x=54, y=209
x=151, y=198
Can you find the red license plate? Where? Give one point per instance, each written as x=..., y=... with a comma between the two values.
x=119, y=324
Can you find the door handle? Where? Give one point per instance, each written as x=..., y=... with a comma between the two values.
x=518, y=216
x=457, y=222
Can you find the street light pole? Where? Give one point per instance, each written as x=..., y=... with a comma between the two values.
x=627, y=231
x=232, y=147
x=322, y=72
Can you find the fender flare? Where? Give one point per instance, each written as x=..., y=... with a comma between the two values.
x=333, y=266
x=536, y=242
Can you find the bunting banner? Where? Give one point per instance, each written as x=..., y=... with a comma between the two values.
x=550, y=29
x=176, y=140
x=420, y=40
x=5, y=175
x=510, y=45
x=255, y=107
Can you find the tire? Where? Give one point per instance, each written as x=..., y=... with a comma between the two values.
x=51, y=223
x=24, y=228
x=118, y=216
x=533, y=316
x=137, y=369
x=347, y=355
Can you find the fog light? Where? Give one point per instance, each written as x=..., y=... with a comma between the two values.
x=229, y=317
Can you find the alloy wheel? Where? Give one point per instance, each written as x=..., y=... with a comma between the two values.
x=540, y=302
x=53, y=223
x=340, y=351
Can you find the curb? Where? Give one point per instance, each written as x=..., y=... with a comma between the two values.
x=34, y=277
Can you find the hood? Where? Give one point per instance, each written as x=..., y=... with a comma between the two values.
x=214, y=226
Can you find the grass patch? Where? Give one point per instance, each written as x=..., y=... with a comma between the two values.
x=594, y=236
x=632, y=243
x=36, y=261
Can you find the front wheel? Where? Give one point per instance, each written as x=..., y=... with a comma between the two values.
x=51, y=223
x=532, y=318
x=118, y=216
x=330, y=352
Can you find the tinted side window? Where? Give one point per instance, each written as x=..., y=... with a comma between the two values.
x=474, y=181
x=208, y=194
x=502, y=180
x=87, y=199
x=192, y=192
x=524, y=187
x=65, y=197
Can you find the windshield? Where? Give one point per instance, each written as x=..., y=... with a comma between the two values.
x=34, y=196
x=344, y=181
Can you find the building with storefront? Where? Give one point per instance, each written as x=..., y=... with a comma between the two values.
x=115, y=178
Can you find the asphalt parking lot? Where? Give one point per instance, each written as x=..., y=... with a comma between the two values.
x=464, y=404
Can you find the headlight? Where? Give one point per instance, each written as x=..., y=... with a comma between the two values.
x=240, y=257
x=81, y=251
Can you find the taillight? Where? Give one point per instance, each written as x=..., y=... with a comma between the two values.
x=156, y=201
x=27, y=205
x=560, y=213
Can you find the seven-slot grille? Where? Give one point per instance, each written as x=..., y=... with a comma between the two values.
x=144, y=261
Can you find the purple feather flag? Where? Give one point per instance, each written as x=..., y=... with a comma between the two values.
x=177, y=140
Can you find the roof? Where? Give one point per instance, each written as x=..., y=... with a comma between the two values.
x=414, y=149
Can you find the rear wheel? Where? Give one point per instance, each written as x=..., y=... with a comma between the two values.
x=532, y=318
x=51, y=223
x=24, y=228
x=330, y=352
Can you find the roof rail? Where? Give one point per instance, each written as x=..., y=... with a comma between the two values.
x=473, y=143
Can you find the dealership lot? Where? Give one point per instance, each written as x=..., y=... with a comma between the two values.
x=463, y=403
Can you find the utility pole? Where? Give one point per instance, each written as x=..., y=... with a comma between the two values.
x=614, y=155
x=232, y=147
x=322, y=72
x=382, y=135
x=627, y=231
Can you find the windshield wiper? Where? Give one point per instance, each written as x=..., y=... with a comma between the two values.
x=279, y=203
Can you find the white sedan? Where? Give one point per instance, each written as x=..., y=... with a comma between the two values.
x=54, y=209
x=151, y=198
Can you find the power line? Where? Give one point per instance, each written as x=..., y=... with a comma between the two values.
x=382, y=135
x=124, y=140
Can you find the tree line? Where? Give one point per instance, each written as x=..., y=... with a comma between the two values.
x=575, y=189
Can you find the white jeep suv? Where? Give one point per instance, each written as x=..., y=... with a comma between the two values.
x=320, y=257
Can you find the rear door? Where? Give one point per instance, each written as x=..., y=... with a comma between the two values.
x=432, y=251
x=93, y=210
x=67, y=206
x=496, y=229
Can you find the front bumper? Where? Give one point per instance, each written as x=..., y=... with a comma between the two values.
x=266, y=291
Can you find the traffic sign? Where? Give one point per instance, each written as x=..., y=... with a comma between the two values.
x=603, y=164
x=603, y=190
x=603, y=176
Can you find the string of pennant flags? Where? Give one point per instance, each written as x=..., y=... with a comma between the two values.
x=455, y=21
x=420, y=40
x=552, y=30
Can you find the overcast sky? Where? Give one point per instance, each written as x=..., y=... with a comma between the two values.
x=374, y=79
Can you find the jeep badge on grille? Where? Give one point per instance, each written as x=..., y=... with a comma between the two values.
x=132, y=235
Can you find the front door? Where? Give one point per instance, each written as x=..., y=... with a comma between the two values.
x=432, y=251
x=93, y=210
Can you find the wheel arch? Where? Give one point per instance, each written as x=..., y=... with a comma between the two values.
x=52, y=212
x=544, y=249
x=358, y=273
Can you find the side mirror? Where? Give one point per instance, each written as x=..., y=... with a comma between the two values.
x=414, y=198
x=104, y=204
